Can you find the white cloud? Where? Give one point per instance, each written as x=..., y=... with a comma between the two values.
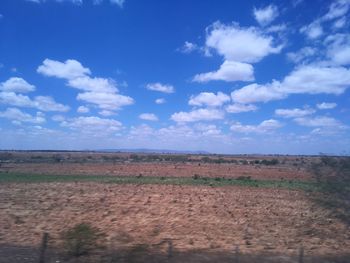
x=337, y=9
x=266, y=15
x=258, y=93
x=276, y=28
x=92, y=124
x=69, y=69
x=294, y=113
x=207, y=129
x=188, y=47
x=338, y=48
x=44, y=103
x=83, y=109
x=302, y=54
x=165, y=88
x=148, y=117
x=160, y=101
x=237, y=108
x=339, y=23
x=102, y=85
x=313, y=30
x=228, y=71
x=120, y=3
x=326, y=105
x=264, y=127
x=106, y=113
x=308, y=79
x=16, y=85
x=240, y=44
x=316, y=80
x=100, y=91
x=319, y=121
x=106, y=101
x=14, y=99
x=198, y=115
x=19, y=116
x=209, y=99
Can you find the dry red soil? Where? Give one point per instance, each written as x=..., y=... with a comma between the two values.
x=193, y=217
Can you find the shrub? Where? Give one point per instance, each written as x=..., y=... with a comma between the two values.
x=81, y=239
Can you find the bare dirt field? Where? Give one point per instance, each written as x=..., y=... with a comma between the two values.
x=123, y=164
x=169, y=223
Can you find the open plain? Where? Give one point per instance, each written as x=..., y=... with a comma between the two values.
x=191, y=210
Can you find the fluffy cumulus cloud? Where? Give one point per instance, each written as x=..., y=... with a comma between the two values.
x=326, y=105
x=238, y=108
x=16, y=85
x=102, y=85
x=10, y=95
x=228, y=71
x=18, y=116
x=148, y=117
x=165, y=88
x=258, y=93
x=316, y=80
x=44, y=103
x=308, y=79
x=226, y=40
x=266, y=15
x=102, y=92
x=107, y=101
x=93, y=124
x=198, y=115
x=294, y=113
x=70, y=69
x=264, y=127
x=209, y=99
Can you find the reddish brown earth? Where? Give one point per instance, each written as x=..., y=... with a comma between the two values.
x=194, y=217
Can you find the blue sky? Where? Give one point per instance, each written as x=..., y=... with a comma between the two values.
x=218, y=76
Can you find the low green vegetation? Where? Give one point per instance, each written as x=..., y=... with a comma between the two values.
x=81, y=239
x=195, y=180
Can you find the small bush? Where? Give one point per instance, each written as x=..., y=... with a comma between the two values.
x=81, y=239
x=195, y=176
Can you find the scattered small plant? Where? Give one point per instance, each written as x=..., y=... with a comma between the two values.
x=81, y=239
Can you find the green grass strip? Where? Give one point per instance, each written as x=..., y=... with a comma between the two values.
x=215, y=182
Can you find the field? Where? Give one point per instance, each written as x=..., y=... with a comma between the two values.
x=171, y=208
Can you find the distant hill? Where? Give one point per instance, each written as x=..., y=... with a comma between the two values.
x=153, y=151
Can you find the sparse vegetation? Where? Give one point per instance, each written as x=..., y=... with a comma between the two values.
x=81, y=239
